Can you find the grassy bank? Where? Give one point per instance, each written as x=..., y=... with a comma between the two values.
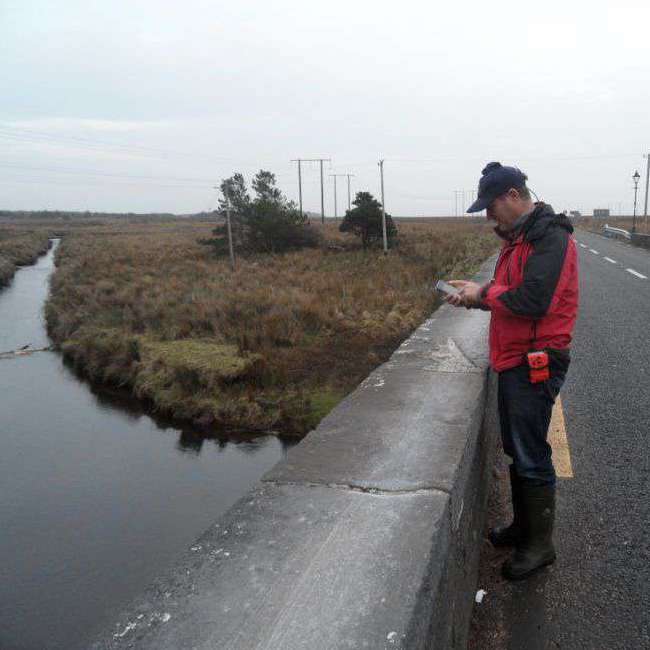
x=18, y=248
x=274, y=345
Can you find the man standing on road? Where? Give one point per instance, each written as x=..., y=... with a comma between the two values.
x=533, y=300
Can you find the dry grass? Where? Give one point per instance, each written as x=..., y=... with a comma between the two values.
x=18, y=248
x=271, y=346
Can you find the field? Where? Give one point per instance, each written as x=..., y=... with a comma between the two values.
x=272, y=346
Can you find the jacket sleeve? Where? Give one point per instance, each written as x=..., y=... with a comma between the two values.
x=532, y=298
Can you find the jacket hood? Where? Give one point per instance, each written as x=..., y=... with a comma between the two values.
x=538, y=222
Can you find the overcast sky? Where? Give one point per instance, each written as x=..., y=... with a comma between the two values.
x=145, y=105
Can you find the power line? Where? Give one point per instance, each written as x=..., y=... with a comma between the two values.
x=95, y=183
x=19, y=134
x=511, y=157
x=100, y=173
x=25, y=134
x=111, y=175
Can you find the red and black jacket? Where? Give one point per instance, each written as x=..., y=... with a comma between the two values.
x=533, y=296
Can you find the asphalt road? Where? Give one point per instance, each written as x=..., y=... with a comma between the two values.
x=597, y=595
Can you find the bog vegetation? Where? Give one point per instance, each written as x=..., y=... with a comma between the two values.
x=271, y=346
x=19, y=247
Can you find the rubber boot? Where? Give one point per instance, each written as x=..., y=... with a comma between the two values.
x=536, y=550
x=513, y=534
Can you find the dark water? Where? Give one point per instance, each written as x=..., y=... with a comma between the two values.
x=95, y=497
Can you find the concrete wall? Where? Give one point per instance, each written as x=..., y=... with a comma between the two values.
x=366, y=536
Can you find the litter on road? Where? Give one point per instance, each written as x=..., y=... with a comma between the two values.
x=480, y=595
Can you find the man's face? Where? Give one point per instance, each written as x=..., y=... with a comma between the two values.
x=505, y=209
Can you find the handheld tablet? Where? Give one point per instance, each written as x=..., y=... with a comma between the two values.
x=445, y=288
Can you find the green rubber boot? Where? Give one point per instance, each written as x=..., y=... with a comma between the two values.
x=513, y=534
x=536, y=549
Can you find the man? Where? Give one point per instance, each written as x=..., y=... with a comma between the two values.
x=533, y=300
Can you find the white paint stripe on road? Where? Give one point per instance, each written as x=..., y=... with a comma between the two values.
x=583, y=245
x=593, y=251
x=609, y=259
x=638, y=275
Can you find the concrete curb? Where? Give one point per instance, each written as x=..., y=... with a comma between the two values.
x=366, y=535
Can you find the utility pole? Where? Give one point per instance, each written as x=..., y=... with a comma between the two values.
x=334, y=176
x=635, y=178
x=322, y=195
x=383, y=207
x=349, y=176
x=336, y=214
x=231, y=248
x=299, y=185
x=647, y=179
x=322, y=190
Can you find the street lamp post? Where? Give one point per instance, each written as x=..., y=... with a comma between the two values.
x=635, y=177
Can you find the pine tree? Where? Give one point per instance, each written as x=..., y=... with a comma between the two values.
x=364, y=220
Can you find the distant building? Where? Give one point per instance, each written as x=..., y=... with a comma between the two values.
x=601, y=213
x=575, y=213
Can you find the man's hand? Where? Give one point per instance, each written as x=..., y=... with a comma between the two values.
x=468, y=295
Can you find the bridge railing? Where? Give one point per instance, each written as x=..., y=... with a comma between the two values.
x=616, y=232
x=367, y=535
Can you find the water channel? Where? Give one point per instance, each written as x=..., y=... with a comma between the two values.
x=96, y=497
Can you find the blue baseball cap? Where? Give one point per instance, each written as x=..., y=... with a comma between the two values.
x=495, y=181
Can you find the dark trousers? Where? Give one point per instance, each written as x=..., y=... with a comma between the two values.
x=525, y=415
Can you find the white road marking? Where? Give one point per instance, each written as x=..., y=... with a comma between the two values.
x=593, y=251
x=609, y=259
x=638, y=275
x=583, y=245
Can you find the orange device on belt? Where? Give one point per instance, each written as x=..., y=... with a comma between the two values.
x=538, y=367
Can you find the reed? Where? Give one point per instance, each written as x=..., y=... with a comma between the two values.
x=272, y=346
